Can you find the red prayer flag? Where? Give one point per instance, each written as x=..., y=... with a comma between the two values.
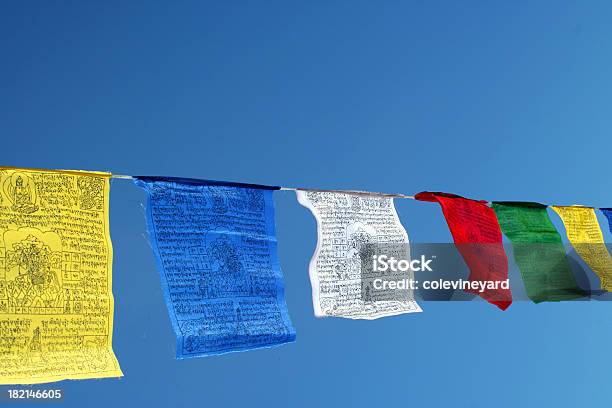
x=473, y=223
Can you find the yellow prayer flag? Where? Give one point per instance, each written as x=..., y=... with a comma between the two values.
x=56, y=303
x=583, y=232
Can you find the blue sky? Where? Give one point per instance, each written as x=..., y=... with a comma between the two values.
x=490, y=100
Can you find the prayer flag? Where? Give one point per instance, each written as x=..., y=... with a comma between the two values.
x=608, y=213
x=582, y=229
x=216, y=251
x=538, y=251
x=56, y=304
x=476, y=233
x=350, y=229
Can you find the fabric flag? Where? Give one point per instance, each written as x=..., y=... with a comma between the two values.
x=216, y=251
x=608, y=213
x=538, y=251
x=476, y=233
x=350, y=228
x=582, y=229
x=56, y=304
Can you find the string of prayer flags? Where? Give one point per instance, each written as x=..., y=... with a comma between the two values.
x=476, y=233
x=583, y=232
x=538, y=251
x=608, y=213
x=216, y=251
x=56, y=304
x=351, y=228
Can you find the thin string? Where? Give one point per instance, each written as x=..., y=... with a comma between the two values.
x=353, y=192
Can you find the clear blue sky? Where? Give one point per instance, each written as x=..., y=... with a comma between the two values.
x=491, y=100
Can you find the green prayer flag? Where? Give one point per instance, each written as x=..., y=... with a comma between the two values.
x=538, y=251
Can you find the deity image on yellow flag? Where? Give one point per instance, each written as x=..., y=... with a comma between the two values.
x=583, y=232
x=56, y=303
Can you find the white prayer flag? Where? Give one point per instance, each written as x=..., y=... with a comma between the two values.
x=352, y=229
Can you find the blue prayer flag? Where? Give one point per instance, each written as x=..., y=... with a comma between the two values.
x=608, y=213
x=216, y=251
